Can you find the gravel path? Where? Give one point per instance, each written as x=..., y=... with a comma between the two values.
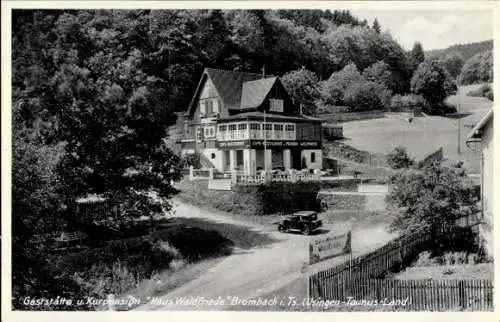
x=249, y=273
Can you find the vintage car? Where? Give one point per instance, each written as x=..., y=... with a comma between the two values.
x=304, y=221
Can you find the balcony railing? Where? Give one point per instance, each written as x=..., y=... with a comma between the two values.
x=256, y=134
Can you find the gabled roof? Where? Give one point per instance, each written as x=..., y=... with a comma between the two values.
x=477, y=131
x=236, y=89
x=227, y=83
x=254, y=92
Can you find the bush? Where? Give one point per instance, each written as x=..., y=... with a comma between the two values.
x=484, y=90
x=193, y=243
x=399, y=158
x=366, y=96
x=193, y=159
x=287, y=197
x=408, y=102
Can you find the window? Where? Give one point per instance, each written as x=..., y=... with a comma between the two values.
x=231, y=127
x=276, y=105
x=212, y=131
x=254, y=126
x=222, y=128
x=242, y=126
x=313, y=157
x=203, y=108
x=213, y=156
x=215, y=106
x=278, y=131
x=199, y=134
x=268, y=127
x=290, y=128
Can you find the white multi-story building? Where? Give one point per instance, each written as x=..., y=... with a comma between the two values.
x=246, y=122
x=483, y=134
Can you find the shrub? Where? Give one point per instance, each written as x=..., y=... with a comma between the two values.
x=399, y=158
x=484, y=90
x=193, y=243
x=193, y=159
x=366, y=96
x=408, y=102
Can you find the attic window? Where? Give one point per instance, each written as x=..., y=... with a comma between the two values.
x=203, y=107
x=276, y=105
x=215, y=106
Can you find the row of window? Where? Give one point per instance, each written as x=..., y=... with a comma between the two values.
x=212, y=106
x=257, y=126
x=209, y=106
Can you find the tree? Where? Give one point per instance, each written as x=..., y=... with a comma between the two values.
x=39, y=208
x=364, y=47
x=399, y=158
x=303, y=87
x=366, y=96
x=332, y=90
x=477, y=69
x=453, y=63
x=432, y=82
x=376, y=26
x=380, y=72
x=436, y=194
x=417, y=55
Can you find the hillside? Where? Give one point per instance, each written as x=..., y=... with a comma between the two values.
x=382, y=135
x=466, y=50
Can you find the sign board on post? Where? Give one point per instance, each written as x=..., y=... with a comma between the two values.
x=328, y=246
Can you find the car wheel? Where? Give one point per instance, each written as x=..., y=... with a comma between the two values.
x=281, y=228
x=307, y=230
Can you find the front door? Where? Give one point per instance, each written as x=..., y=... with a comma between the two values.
x=296, y=159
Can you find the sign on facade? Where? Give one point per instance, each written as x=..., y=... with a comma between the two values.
x=328, y=246
x=270, y=143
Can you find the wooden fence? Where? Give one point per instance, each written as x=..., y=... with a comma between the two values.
x=347, y=152
x=362, y=278
x=96, y=209
x=426, y=295
x=432, y=157
x=351, y=116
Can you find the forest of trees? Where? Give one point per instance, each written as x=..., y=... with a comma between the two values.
x=464, y=50
x=93, y=92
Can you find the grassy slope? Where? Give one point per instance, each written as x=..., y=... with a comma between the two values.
x=424, y=135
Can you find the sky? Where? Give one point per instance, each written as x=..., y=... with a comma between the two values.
x=434, y=29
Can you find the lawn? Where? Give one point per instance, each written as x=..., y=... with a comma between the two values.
x=425, y=134
x=448, y=272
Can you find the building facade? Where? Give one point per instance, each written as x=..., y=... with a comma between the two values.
x=482, y=136
x=247, y=122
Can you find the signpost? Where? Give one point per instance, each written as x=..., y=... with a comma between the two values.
x=328, y=246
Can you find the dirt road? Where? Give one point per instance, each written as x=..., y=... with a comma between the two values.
x=250, y=273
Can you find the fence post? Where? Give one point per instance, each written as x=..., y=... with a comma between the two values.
x=234, y=178
x=461, y=294
x=210, y=173
x=191, y=174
